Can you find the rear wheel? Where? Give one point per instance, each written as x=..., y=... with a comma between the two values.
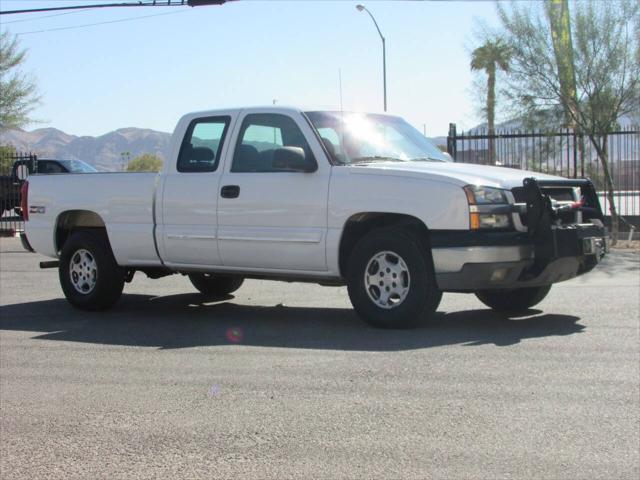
x=212, y=284
x=513, y=300
x=390, y=279
x=89, y=275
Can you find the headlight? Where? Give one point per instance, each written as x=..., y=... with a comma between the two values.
x=491, y=220
x=482, y=202
x=478, y=195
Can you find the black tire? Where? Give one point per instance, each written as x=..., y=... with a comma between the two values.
x=422, y=295
x=212, y=284
x=513, y=300
x=103, y=285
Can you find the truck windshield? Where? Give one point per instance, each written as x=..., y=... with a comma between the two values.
x=353, y=138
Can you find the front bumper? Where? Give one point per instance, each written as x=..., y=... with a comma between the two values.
x=479, y=261
x=549, y=249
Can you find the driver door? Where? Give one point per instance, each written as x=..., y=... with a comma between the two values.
x=271, y=218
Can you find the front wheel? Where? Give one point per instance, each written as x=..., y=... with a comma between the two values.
x=212, y=284
x=390, y=279
x=89, y=275
x=513, y=300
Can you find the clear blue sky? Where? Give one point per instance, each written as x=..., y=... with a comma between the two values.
x=148, y=72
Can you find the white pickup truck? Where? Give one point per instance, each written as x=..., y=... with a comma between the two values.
x=327, y=197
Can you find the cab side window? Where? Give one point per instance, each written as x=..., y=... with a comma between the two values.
x=202, y=145
x=261, y=136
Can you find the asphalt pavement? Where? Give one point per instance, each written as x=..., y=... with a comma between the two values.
x=284, y=381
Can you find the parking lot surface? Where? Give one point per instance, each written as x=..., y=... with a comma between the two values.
x=284, y=381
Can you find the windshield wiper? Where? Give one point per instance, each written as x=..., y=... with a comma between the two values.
x=375, y=158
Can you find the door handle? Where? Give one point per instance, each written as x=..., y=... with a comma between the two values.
x=230, y=191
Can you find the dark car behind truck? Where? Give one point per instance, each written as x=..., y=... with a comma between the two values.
x=11, y=183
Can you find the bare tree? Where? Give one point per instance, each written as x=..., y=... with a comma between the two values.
x=605, y=49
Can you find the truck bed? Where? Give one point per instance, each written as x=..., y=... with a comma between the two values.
x=124, y=202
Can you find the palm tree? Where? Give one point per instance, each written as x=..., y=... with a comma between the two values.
x=493, y=55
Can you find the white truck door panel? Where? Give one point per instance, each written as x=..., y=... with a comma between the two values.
x=188, y=227
x=275, y=218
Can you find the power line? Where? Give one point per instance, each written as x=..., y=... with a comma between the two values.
x=80, y=7
x=129, y=19
x=147, y=3
x=38, y=18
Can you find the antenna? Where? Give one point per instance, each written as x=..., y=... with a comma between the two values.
x=341, y=112
x=340, y=86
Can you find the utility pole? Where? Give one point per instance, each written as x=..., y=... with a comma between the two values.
x=124, y=158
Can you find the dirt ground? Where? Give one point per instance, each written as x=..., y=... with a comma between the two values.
x=633, y=245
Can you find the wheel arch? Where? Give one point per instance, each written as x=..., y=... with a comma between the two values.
x=73, y=220
x=359, y=224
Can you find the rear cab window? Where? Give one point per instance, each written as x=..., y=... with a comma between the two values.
x=202, y=144
x=50, y=167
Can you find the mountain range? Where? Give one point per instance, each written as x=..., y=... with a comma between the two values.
x=103, y=152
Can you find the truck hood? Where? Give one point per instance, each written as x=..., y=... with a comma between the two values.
x=457, y=173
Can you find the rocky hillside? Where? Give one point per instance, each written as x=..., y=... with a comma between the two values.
x=103, y=152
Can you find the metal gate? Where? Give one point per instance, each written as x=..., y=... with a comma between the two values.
x=565, y=153
x=10, y=185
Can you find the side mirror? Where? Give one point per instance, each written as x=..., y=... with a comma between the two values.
x=22, y=172
x=292, y=158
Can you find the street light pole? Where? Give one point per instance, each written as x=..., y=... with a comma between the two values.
x=360, y=8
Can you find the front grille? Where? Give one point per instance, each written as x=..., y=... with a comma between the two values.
x=559, y=194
